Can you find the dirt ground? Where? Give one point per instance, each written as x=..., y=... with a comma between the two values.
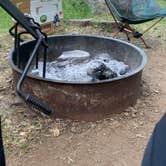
x=120, y=140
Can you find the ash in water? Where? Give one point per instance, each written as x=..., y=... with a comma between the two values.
x=80, y=66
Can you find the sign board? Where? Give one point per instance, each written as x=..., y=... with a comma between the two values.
x=48, y=13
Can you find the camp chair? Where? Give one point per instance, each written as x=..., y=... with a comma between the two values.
x=126, y=12
x=156, y=149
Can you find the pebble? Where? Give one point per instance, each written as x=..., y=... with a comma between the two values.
x=1, y=97
x=141, y=113
x=22, y=133
x=133, y=110
x=133, y=115
x=156, y=111
x=116, y=124
x=156, y=91
x=126, y=114
x=140, y=136
x=17, y=101
x=56, y=132
x=70, y=160
x=93, y=125
x=141, y=123
x=76, y=130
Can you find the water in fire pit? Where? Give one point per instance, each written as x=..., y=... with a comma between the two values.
x=80, y=66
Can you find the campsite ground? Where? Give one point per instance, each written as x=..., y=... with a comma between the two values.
x=117, y=141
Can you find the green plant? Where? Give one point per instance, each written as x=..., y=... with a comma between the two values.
x=76, y=9
x=5, y=21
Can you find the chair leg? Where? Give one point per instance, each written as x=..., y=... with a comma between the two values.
x=127, y=35
x=142, y=39
x=116, y=34
x=152, y=25
x=135, y=34
x=127, y=29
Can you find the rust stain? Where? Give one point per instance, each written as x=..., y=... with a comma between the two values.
x=87, y=102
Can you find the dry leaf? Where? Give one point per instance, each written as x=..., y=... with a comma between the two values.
x=55, y=132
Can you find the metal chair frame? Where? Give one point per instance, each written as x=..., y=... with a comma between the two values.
x=124, y=26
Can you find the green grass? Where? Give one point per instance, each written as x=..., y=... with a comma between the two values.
x=5, y=21
x=72, y=9
x=162, y=3
x=76, y=9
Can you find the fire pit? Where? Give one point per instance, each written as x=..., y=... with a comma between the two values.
x=84, y=100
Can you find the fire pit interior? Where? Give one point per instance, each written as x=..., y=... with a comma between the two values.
x=81, y=66
x=87, y=77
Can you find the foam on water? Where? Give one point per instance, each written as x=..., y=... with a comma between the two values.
x=74, y=66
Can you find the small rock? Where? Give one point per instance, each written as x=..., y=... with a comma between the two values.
x=141, y=123
x=93, y=125
x=133, y=110
x=156, y=111
x=3, y=88
x=22, y=133
x=140, y=136
x=135, y=125
x=1, y=97
x=133, y=115
x=141, y=113
x=76, y=129
x=156, y=91
x=17, y=101
x=126, y=114
x=115, y=124
x=70, y=160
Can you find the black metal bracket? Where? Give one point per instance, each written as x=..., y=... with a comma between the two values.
x=137, y=34
x=121, y=27
x=33, y=28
